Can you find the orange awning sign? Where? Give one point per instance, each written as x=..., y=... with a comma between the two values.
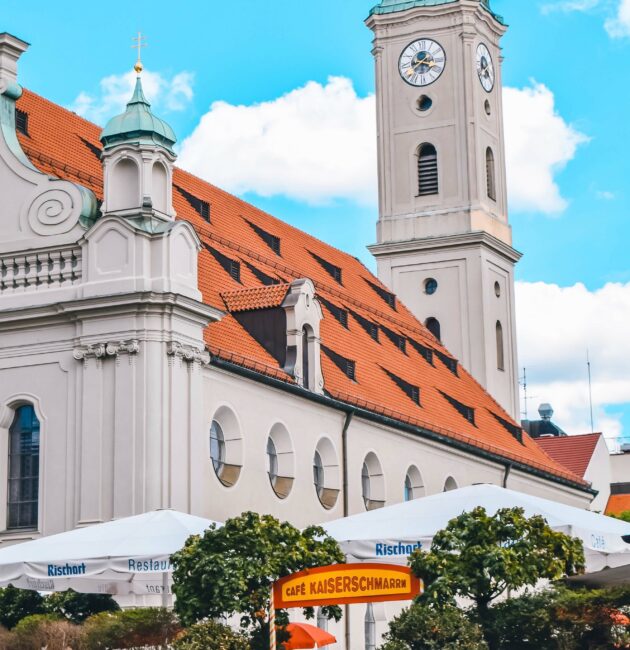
x=342, y=584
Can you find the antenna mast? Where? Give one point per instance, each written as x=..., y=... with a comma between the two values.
x=590, y=389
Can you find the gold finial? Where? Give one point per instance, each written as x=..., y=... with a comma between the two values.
x=140, y=41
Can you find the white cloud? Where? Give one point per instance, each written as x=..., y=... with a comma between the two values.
x=170, y=94
x=606, y=195
x=619, y=26
x=569, y=5
x=316, y=143
x=556, y=327
x=539, y=143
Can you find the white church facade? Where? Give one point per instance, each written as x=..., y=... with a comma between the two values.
x=164, y=344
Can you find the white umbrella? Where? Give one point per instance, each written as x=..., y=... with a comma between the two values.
x=390, y=534
x=124, y=556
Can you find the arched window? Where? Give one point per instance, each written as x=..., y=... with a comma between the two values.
x=272, y=457
x=23, y=487
x=372, y=483
x=414, y=485
x=370, y=628
x=500, y=347
x=280, y=462
x=490, y=175
x=124, y=184
x=433, y=325
x=217, y=447
x=326, y=475
x=305, y=364
x=450, y=484
x=226, y=451
x=428, y=182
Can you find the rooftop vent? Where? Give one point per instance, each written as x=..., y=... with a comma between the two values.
x=233, y=267
x=347, y=366
x=333, y=271
x=449, y=362
x=267, y=280
x=387, y=296
x=545, y=411
x=413, y=392
x=425, y=352
x=271, y=240
x=338, y=313
x=513, y=429
x=467, y=412
x=201, y=207
x=397, y=339
x=21, y=121
x=369, y=326
x=93, y=148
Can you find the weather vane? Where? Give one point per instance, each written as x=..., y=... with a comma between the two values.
x=140, y=41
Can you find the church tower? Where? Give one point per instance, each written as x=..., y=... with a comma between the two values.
x=444, y=244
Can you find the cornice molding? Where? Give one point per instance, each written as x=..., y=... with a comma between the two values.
x=447, y=241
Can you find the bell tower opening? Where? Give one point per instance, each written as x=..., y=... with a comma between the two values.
x=442, y=186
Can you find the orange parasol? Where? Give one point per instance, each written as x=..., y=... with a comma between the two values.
x=304, y=635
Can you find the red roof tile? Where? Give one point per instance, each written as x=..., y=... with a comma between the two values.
x=255, y=297
x=618, y=503
x=56, y=144
x=574, y=452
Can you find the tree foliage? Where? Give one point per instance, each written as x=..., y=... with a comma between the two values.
x=16, y=604
x=130, y=628
x=423, y=627
x=624, y=516
x=45, y=631
x=479, y=557
x=76, y=607
x=564, y=619
x=229, y=570
x=210, y=635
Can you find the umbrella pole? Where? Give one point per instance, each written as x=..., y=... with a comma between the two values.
x=272, y=622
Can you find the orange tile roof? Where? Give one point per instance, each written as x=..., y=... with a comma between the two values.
x=255, y=298
x=574, y=452
x=618, y=503
x=61, y=143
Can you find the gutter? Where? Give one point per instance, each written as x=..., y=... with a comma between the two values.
x=344, y=452
x=370, y=416
x=506, y=476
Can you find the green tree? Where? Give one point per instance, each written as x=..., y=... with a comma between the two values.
x=76, y=607
x=423, y=627
x=210, y=636
x=229, y=570
x=16, y=604
x=480, y=557
x=624, y=516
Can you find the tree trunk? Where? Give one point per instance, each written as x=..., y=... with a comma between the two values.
x=485, y=620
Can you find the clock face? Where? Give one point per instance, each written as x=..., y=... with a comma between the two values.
x=422, y=62
x=485, y=67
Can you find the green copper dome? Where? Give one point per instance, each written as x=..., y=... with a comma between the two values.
x=391, y=6
x=138, y=125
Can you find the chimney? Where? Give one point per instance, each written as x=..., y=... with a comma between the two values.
x=11, y=49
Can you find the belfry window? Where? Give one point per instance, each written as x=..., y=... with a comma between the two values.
x=428, y=181
x=23, y=488
x=490, y=175
x=306, y=366
x=433, y=325
x=500, y=347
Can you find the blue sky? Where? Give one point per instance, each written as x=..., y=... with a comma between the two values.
x=568, y=59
